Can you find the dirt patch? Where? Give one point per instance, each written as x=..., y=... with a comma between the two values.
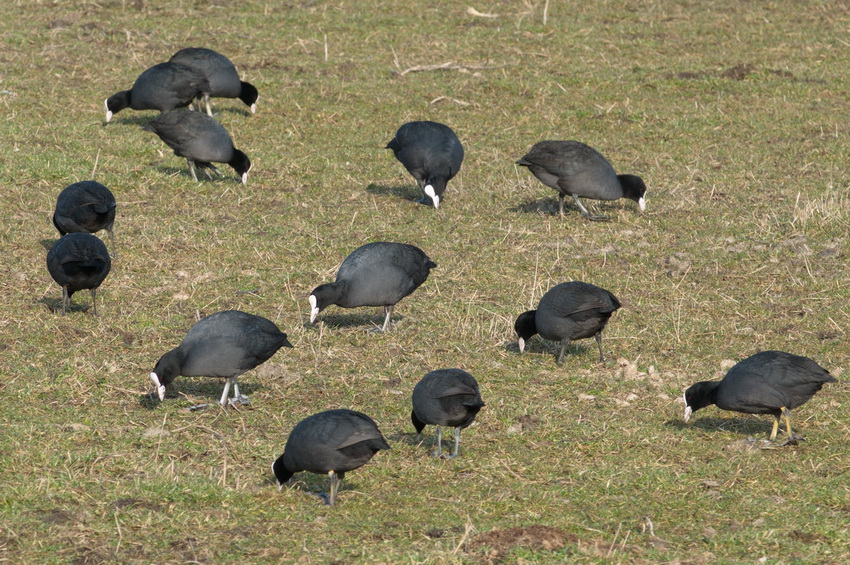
x=535, y=537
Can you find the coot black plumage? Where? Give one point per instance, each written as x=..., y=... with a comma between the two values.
x=770, y=382
x=446, y=397
x=225, y=344
x=568, y=311
x=332, y=442
x=376, y=274
x=78, y=261
x=163, y=87
x=576, y=169
x=432, y=153
x=85, y=207
x=201, y=140
x=221, y=74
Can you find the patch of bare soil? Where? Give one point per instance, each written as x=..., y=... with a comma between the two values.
x=500, y=542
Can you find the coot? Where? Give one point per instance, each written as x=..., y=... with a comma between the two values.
x=163, y=87
x=432, y=153
x=568, y=311
x=376, y=274
x=201, y=140
x=86, y=207
x=225, y=345
x=770, y=382
x=446, y=397
x=78, y=261
x=221, y=74
x=332, y=442
x=576, y=169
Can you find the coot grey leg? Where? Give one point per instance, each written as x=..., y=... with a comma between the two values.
x=334, y=487
x=585, y=213
x=238, y=398
x=457, y=444
x=66, y=300
x=223, y=400
x=389, y=311
x=439, y=442
x=599, y=343
x=207, y=102
x=564, y=344
x=192, y=169
x=561, y=197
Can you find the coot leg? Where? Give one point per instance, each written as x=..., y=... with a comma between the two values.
x=192, y=169
x=599, y=343
x=587, y=214
x=223, y=400
x=564, y=344
x=439, y=442
x=66, y=299
x=389, y=312
x=334, y=487
x=793, y=439
x=457, y=444
x=94, y=301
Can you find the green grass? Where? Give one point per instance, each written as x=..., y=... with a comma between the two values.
x=733, y=113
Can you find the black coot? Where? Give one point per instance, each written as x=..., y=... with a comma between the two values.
x=333, y=443
x=770, y=382
x=78, y=261
x=85, y=207
x=162, y=87
x=221, y=74
x=376, y=274
x=201, y=140
x=568, y=311
x=575, y=169
x=225, y=345
x=432, y=153
x=446, y=397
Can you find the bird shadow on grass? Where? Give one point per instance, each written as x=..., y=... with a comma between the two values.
x=410, y=438
x=405, y=192
x=536, y=346
x=47, y=243
x=317, y=485
x=55, y=305
x=183, y=172
x=339, y=321
x=549, y=207
x=742, y=426
x=208, y=392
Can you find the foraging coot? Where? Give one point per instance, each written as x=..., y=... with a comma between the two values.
x=221, y=73
x=770, y=382
x=225, y=345
x=376, y=274
x=78, y=261
x=432, y=153
x=446, y=397
x=163, y=87
x=568, y=311
x=85, y=207
x=576, y=169
x=333, y=443
x=201, y=140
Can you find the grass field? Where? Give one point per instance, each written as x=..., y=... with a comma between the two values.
x=735, y=115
